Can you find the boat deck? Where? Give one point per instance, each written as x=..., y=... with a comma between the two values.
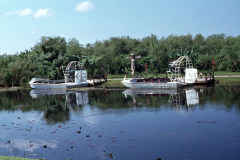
x=203, y=81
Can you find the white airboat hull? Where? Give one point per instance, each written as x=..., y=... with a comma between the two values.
x=167, y=85
x=57, y=86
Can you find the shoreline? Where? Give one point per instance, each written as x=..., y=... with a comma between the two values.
x=115, y=83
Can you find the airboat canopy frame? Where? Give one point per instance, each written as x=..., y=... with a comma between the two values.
x=178, y=67
x=72, y=67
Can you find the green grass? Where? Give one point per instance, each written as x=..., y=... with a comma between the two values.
x=224, y=73
x=110, y=76
x=13, y=158
x=112, y=84
x=228, y=81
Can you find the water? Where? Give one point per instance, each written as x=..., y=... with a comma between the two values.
x=189, y=124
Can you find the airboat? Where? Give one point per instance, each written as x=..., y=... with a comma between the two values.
x=181, y=73
x=74, y=76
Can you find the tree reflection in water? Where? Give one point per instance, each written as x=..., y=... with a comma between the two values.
x=59, y=112
x=57, y=104
x=59, y=124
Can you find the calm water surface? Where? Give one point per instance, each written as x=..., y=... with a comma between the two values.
x=188, y=124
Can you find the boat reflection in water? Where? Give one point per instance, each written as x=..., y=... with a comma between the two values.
x=179, y=99
x=191, y=123
x=73, y=98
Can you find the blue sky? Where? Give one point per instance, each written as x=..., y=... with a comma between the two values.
x=24, y=22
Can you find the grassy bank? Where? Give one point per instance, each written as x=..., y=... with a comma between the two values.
x=228, y=81
x=221, y=81
x=112, y=84
x=224, y=73
x=115, y=81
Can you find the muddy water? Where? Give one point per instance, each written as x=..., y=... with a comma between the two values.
x=193, y=123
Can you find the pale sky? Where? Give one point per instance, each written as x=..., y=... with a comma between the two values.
x=24, y=22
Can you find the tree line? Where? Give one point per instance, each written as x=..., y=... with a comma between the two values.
x=50, y=54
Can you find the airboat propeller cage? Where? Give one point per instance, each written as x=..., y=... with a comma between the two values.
x=80, y=75
x=181, y=65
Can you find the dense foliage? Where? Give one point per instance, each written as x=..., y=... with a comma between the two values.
x=47, y=57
